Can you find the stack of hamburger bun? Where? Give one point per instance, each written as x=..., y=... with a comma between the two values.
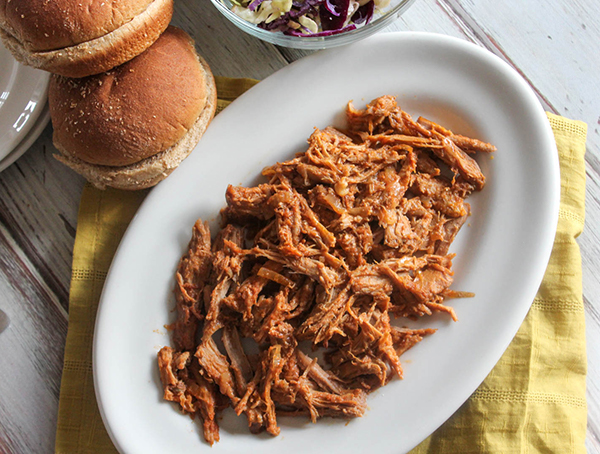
x=129, y=96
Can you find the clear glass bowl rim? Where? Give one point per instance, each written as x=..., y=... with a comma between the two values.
x=314, y=42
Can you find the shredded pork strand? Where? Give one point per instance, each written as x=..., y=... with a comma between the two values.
x=338, y=243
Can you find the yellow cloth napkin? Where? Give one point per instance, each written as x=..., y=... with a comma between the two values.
x=532, y=401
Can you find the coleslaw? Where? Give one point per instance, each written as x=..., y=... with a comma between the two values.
x=308, y=17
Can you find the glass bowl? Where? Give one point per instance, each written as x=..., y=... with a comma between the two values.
x=379, y=21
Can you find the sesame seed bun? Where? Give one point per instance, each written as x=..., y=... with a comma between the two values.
x=78, y=39
x=130, y=127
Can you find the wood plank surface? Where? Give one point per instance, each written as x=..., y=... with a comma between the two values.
x=31, y=354
x=553, y=45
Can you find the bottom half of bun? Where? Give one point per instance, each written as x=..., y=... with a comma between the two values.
x=147, y=172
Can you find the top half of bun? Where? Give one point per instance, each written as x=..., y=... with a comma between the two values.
x=78, y=38
x=48, y=25
x=136, y=110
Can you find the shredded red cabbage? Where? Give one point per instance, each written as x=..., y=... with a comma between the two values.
x=330, y=15
x=330, y=21
x=332, y=7
x=308, y=7
x=364, y=13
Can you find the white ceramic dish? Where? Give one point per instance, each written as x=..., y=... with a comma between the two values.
x=28, y=140
x=23, y=92
x=502, y=253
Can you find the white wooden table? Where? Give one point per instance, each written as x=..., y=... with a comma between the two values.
x=553, y=44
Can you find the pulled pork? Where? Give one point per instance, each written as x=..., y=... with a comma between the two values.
x=342, y=238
